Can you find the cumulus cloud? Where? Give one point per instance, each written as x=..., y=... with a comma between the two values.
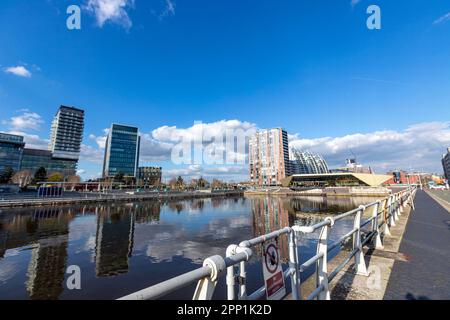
x=419, y=146
x=32, y=141
x=444, y=18
x=26, y=121
x=19, y=71
x=114, y=11
x=91, y=154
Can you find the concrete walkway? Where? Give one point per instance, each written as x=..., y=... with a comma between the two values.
x=426, y=243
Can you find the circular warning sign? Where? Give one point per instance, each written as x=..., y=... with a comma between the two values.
x=271, y=258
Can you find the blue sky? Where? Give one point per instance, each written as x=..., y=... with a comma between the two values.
x=311, y=67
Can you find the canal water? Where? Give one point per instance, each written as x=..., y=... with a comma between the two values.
x=124, y=247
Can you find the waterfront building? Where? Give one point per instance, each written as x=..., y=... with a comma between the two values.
x=269, y=157
x=11, y=150
x=403, y=177
x=122, y=151
x=353, y=166
x=149, y=176
x=446, y=164
x=67, y=133
x=340, y=179
x=305, y=162
x=33, y=159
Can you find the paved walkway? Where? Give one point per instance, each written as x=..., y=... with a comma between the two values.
x=426, y=242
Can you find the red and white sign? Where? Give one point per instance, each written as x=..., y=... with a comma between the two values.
x=273, y=273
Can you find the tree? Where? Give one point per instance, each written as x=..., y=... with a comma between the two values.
x=217, y=184
x=202, y=183
x=172, y=183
x=56, y=177
x=119, y=177
x=6, y=175
x=40, y=175
x=180, y=183
x=22, y=178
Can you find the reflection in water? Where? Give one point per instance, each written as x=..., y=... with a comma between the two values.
x=114, y=240
x=147, y=241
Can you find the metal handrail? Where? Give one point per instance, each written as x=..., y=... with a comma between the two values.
x=389, y=209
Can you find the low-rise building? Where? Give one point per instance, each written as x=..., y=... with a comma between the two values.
x=33, y=159
x=149, y=176
x=340, y=179
x=446, y=164
x=11, y=150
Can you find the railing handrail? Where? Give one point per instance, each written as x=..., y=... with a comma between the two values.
x=214, y=267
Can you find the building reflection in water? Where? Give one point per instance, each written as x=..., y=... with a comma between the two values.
x=115, y=235
x=270, y=214
x=46, y=231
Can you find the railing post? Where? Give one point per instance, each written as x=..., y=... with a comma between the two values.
x=322, y=263
x=360, y=264
x=395, y=208
x=391, y=212
x=230, y=274
x=293, y=265
x=242, y=282
x=206, y=286
x=376, y=228
x=386, y=231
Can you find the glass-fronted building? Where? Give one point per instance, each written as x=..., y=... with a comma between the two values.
x=305, y=162
x=446, y=164
x=11, y=150
x=149, y=176
x=122, y=151
x=33, y=159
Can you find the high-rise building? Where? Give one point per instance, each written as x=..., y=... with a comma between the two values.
x=122, y=151
x=11, y=150
x=446, y=164
x=305, y=162
x=269, y=157
x=67, y=133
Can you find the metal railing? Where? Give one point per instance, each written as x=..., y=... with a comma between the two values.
x=383, y=216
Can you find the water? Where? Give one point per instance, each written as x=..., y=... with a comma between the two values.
x=121, y=248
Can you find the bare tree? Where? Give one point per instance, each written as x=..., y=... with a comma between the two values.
x=22, y=178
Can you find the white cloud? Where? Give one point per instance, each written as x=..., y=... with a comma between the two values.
x=419, y=146
x=91, y=154
x=32, y=141
x=444, y=18
x=354, y=2
x=169, y=9
x=100, y=140
x=111, y=10
x=26, y=121
x=20, y=71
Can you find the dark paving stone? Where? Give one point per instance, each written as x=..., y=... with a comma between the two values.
x=427, y=243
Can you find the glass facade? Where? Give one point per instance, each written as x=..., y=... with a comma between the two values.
x=149, y=176
x=122, y=151
x=34, y=159
x=11, y=150
x=305, y=162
